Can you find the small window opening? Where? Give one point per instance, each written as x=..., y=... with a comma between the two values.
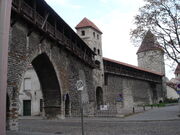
x=98, y=51
x=94, y=49
x=94, y=34
x=97, y=36
x=83, y=33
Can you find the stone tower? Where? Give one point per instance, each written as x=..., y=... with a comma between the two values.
x=151, y=55
x=177, y=72
x=91, y=35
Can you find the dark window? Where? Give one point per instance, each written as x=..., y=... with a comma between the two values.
x=83, y=33
x=97, y=36
x=41, y=105
x=94, y=49
x=106, y=79
x=98, y=51
x=94, y=34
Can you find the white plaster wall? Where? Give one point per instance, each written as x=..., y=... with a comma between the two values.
x=171, y=93
x=34, y=94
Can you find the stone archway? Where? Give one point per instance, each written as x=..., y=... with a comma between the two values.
x=49, y=85
x=99, y=97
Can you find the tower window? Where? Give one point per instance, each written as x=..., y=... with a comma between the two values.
x=94, y=34
x=82, y=33
x=94, y=49
x=98, y=51
x=97, y=36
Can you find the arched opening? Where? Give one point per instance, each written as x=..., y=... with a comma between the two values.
x=67, y=105
x=154, y=93
x=7, y=111
x=99, y=97
x=49, y=85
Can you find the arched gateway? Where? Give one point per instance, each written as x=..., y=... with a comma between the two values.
x=49, y=85
x=38, y=36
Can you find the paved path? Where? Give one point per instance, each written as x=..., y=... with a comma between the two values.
x=159, y=121
x=162, y=113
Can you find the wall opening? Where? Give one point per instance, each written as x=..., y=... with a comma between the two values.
x=67, y=105
x=99, y=97
x=7, y=111
x=49, y=85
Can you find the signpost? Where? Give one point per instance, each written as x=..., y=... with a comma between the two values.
x=5, y=12
x=80, y=87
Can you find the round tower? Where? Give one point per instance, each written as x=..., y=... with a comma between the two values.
x=91, y=35
x=151, y=55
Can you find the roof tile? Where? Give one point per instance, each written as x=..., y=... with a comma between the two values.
x=87, y=23
x=177, y=71
x=131, y=66
x=149, y=43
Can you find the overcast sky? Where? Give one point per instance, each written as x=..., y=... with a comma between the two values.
x=113, y=17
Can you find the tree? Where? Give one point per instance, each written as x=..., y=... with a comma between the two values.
x=162, y=18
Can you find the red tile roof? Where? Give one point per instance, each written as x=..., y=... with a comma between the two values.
x=87, y=23
x=131, y=66
x=177, y=71
x=149, y=43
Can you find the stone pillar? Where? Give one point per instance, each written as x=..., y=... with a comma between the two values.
x=5, y=11
x=12, y=120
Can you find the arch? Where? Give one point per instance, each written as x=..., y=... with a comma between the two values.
x=67, y=105
x=49, y=85
x=7, y=111
x=99, y=97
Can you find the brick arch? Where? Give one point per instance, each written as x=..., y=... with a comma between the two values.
x=49, y=84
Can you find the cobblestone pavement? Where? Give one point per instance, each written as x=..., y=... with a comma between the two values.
x=159, y=121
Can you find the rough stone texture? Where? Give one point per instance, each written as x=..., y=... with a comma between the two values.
x=23, y=50
x=92, y=38
x=34, y=93
x=133, y=92
x=152, y=60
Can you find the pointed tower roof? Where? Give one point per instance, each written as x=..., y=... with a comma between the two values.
x=149, y=43
x=87, y=23
x=177, y=71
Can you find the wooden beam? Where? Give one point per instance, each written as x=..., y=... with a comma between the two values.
x=45, y=20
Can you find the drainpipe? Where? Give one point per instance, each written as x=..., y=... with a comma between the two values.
x=5, y=11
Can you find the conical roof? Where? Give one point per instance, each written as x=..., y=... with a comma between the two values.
x=149, y=43
x=177, y=71
x=87, y=23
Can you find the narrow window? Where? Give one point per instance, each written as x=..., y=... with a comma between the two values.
x=41, y=105
x=82, y=33
x=98, y=51
x=94, y=49
x=94, y=34
x=27, y=83
x=97, y=36
x=105, y=79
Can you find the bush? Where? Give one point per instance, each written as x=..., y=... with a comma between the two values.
x=170, y=100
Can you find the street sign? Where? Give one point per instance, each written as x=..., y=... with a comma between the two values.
x=178, y=86
x=79, y=85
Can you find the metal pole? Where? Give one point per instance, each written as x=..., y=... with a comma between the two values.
x=82, y=121
x=5, y=12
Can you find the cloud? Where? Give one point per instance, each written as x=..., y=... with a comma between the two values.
x=65, y=3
